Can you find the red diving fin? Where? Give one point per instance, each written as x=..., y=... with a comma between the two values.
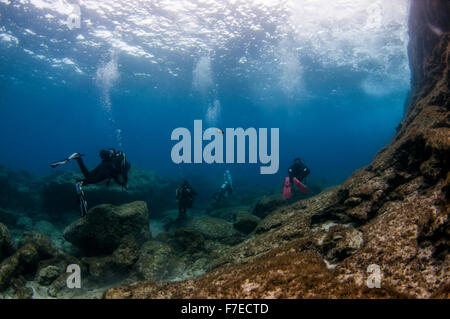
x=300, y=186
x=287, y=188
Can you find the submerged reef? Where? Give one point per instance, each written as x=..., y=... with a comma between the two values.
x=393, y=213
x=114, y=245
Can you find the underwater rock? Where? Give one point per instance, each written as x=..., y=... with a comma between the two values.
x=282, y=226
x=45, y=247
x=164, y=237
x=24, y=222
x=340, y=242
x=17, y=290
x=8, y=218
x=101, y=232
x=117, y=265
x=23, y=262
x=426, y=20
x=46, y=228
x=245, y=222
x=36, y=251
x=58, y=288
x=156, y=261
x=267, y=204
x=53, y=232
x=189, y=240
x=47, y=275
x=229, y=213
x=281, y=275
x=53, y=268
x=7, y=245
x=212, y=228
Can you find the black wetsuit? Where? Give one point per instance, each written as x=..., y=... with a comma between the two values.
x=298, y=170
x=185, y=196
x=106, y=170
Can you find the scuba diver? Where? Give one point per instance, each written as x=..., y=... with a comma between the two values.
x=297, y=173
x=226, y=189
x=113, y=166
x=185, y=195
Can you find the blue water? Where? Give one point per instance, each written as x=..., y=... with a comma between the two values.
x=329, y=114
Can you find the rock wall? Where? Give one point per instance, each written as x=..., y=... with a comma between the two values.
x=393, y=213
x=428, y=21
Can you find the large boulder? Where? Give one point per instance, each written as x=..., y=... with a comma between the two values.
x=116, y=266
x=212, y=228
x=245, y=222
x=188, y=240
x=47, y=275
x=53, y=273
x=101, y=232
x=41, y=242
x=156, y=261
x=23, y=262
x=7, y=245
x=22, y=266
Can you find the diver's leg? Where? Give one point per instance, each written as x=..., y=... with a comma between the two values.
x=221, y=195
x=181, y=211
x=97, y=175
x=83, y=168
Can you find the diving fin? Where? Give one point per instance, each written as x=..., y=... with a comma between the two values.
x=83, y=202
x=287, y=188
x=64, y=161
x=300, y=186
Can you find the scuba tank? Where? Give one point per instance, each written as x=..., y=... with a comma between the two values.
x=119, y=162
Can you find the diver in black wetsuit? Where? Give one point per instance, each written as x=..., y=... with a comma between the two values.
x=113, y=166
x=297, y=173
x=298, y=170
x=185, y=197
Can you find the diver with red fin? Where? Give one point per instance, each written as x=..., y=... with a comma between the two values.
x=297, y=172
